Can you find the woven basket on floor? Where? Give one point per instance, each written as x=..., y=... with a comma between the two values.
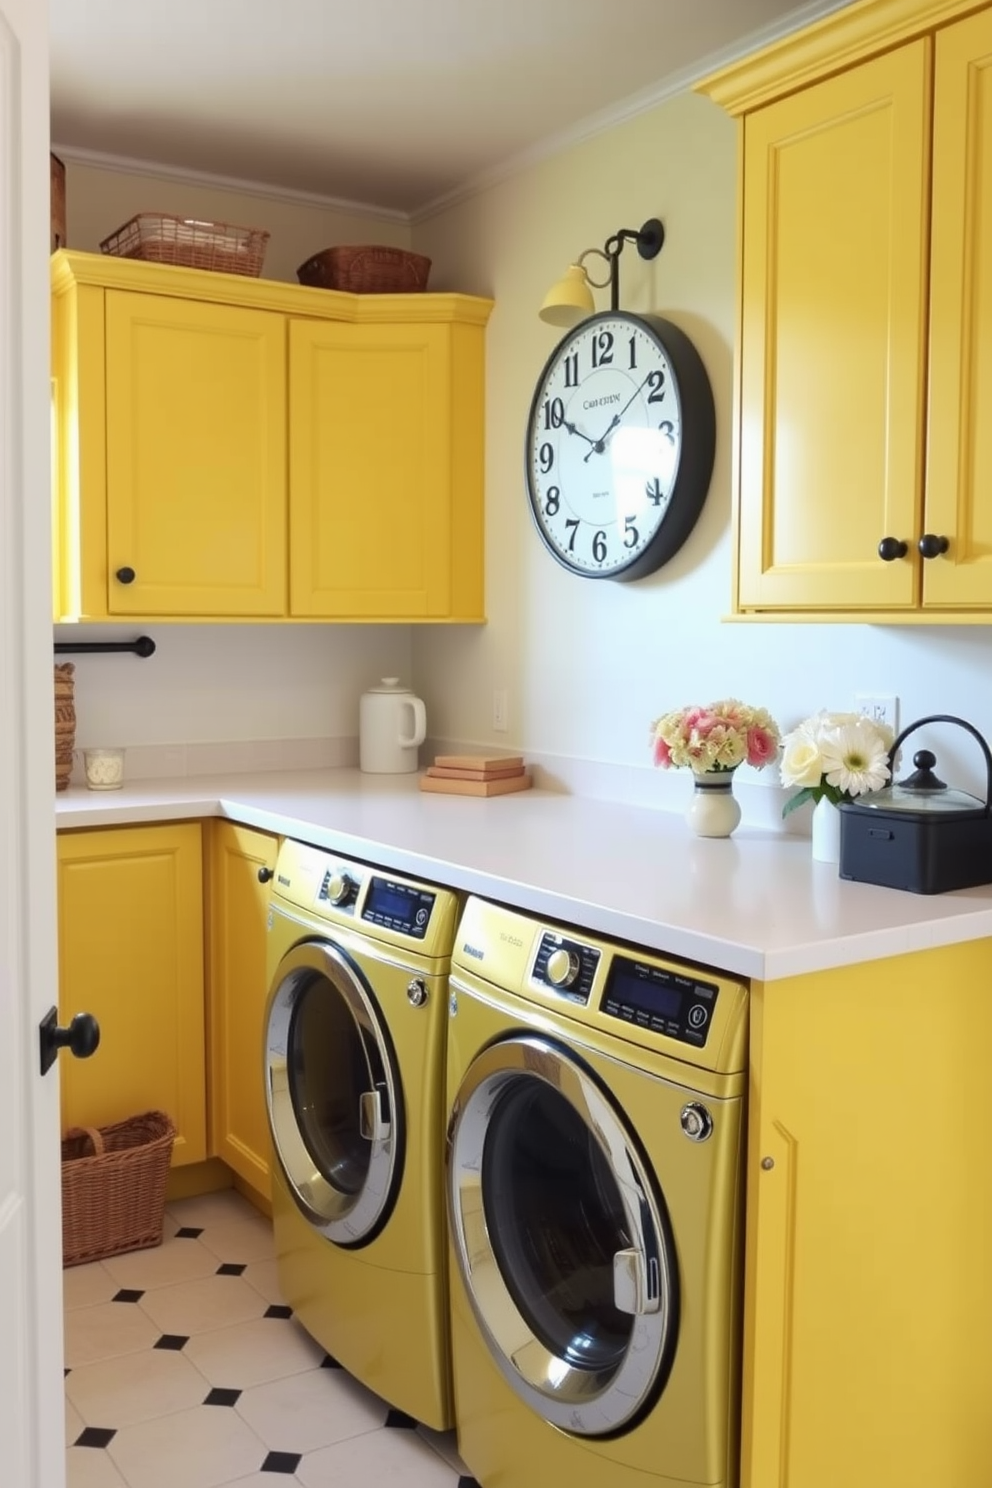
x=366, y=269
x=113, y=1186
x=157, y=237
x=65, y=723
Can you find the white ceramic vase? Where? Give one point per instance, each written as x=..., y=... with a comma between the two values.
x=826, y=832
x=714, y=810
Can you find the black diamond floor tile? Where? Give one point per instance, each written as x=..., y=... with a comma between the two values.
x=230, y=1269
x=327, y=1362
x=188, y=1232
x=401, y=1419
x=278, y=1311
x=172, y=1341
x=127, y=1294
x=464, y=1482
x=222, y=1397
x=282, y=1462
x=96, y=1436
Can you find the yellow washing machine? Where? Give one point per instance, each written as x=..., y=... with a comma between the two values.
x=594, y=1162
x=354, y=1072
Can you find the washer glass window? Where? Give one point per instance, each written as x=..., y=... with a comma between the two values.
x=334, y=1094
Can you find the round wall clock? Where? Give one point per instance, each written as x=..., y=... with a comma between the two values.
x=620, y=442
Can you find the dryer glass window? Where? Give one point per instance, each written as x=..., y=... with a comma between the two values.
x=555, y=1220
x=331, y=1066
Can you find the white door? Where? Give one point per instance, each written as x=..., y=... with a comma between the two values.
x=31, y=1410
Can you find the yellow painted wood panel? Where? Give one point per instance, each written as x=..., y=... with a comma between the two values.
x=196, y=457
x=370, y=470
x=833, y=321
x=959, y=460
x=131, y=952
x=868, y=1307
x=236, y=999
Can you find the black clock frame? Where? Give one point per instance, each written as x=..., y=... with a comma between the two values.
x=695, y=468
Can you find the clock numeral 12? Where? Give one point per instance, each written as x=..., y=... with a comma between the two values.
x=602, y=349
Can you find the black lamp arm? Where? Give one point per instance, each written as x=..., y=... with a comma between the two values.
x=649, y=239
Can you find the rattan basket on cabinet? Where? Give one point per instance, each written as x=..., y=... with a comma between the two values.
x=65, y=722
x=369, y=268
x=158, y=237
x=113, y=1186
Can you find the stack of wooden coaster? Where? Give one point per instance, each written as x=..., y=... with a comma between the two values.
x=476, y=774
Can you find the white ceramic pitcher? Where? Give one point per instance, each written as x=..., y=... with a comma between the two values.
x=392, y=722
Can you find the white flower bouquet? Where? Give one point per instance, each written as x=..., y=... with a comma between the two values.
x=835, y=755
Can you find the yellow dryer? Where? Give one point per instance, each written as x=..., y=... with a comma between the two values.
x=594, y=1162
x=354, y=1068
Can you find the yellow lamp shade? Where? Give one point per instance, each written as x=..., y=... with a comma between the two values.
x=570, y=300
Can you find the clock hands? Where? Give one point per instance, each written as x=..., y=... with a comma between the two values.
x=574, y=429
x=598, y=445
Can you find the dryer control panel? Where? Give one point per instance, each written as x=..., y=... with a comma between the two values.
x=566, y=966
x=396, y=905
x=674, y=1003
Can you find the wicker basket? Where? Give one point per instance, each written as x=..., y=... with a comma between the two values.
x=113, y=1187
x=58, y=202
x=65, y=723
x=368, y=269
x=220, y=246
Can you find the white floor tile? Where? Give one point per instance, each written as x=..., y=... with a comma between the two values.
x=105, y=1331
x=310, y=1410
x=168, y=1263
x=74, y=1422
x=194, y=1307
x=85, y=1286
x=264, y=1277
x=253, y=1353
x=242, y=1240
x=445, y=1445
x=211, y=1208
x=386, y=1459
x=90, y=1467
x=138, y=1387
x=198, y=1448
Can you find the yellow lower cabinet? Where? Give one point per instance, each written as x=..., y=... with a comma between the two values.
x=240, y=863
x=868, y=1298
x=130, y=906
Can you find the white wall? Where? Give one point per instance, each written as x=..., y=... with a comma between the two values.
x=589, y=664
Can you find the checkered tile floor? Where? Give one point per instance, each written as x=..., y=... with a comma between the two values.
x=184, y=1369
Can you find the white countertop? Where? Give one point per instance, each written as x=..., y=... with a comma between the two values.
x=755, y=904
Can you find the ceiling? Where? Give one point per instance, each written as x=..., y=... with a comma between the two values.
x=395, y=104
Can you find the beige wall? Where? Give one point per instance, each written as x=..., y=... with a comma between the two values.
x=98, y=201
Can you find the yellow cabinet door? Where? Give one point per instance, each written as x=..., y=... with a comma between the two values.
x=131, y=953
x=868, y=1293
x=959, y=458
x=196, y=458
x=835, y=201
x=238, y=907
x=385, y=503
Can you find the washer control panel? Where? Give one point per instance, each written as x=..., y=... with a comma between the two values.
x=565, y=966
x=675, y=1003
x=339, y=886
x=398, y=906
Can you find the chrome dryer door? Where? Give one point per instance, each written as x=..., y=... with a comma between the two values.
x=333, y=1093
x=562, y=1238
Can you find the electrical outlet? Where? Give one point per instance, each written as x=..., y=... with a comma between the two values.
x=500, y=719
x=882, y=707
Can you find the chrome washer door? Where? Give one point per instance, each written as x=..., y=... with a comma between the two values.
x=333, y=1093
x=562, y=1238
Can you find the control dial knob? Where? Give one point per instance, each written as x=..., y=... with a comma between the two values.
x=564, y=966
x=341, y=887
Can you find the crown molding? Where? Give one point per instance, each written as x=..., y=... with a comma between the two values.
x=97, y=160
x=629, y=108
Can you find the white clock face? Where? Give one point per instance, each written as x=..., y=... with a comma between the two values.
x=604, y=446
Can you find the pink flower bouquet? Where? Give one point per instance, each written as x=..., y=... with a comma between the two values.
x=715, y=738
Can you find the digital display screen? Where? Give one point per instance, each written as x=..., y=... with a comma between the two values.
x=647, y=996
x=398, y=906
x=388, y=899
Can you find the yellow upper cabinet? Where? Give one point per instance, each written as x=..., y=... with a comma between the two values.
x=863, y=470
x=235, y=448
x=385, y=428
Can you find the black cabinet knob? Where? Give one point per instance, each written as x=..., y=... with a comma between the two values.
x=931, y=546
x=891, y=548
x=264, y=874
x=81, y=1038
x=126, y=575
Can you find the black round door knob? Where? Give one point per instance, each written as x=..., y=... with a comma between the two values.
x=81, y=1038
x=931, y=546
x=891, y=548
x=264, y=874
x=126, y=575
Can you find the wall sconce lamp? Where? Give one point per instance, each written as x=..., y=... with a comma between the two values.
x=570, y=300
